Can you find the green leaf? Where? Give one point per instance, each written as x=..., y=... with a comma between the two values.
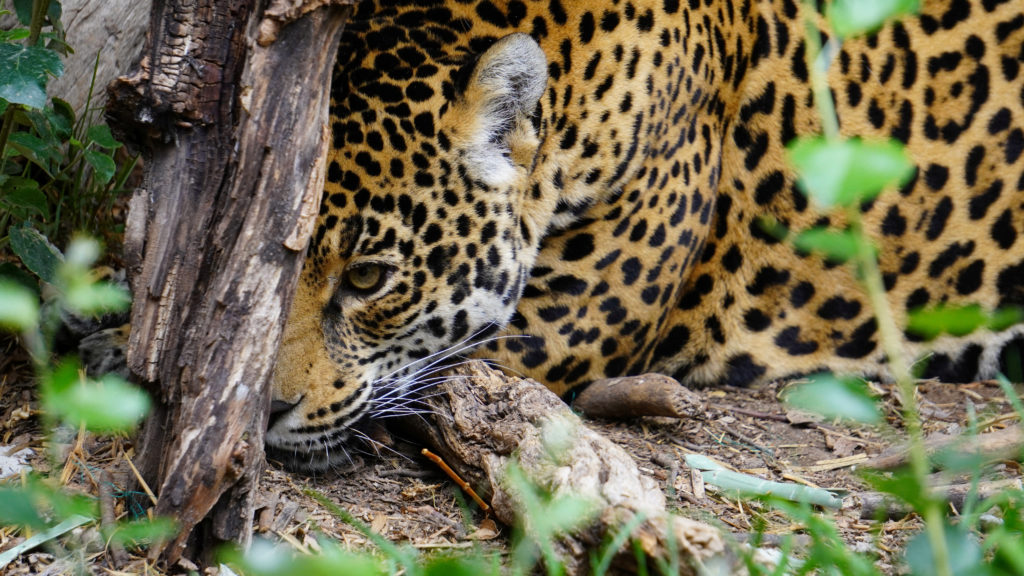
x=962, y=549
x=838, y=245
x=13, y=273
x=19, y=306
x=61, y=379
x=930, y=323
x=80, y=255
x=25, y=193
x=1003, y=318
x=103, y=166
x=265, y=559
x=38, y=151
x=86, y=299
x=36, y=252
x=24, y=71
x=100, y=134
x=847, y=172
x=14, y=35
x=143, y=531
x=23, y=8
x=64, y=110
x=852, y=17
x=107, y=405
x=462, y=565
x=54, y=12
x=902, y=484
x=832, y=397
x=17, y=509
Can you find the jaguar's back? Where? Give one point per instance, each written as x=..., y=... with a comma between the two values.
x=588, y=184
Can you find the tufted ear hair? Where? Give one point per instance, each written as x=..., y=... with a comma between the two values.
x=499, y=99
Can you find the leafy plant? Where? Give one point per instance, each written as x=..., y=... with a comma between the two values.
x=68, y=397
x=58, y=174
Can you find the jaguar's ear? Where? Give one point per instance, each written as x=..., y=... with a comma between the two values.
x=499, y=99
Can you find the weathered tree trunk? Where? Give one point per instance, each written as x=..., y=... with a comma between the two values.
x=230, y=107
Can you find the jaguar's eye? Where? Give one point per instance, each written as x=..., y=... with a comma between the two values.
x=366, y=278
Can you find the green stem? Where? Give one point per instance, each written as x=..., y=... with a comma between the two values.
x=891, y=342
x=5, y=134
x=35, y=27
x=889, y=333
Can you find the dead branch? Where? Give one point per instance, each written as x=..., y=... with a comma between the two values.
x=483, y=423
x=998, y=445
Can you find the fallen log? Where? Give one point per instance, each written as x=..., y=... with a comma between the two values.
x=482, y=422
x=874, y=505
x=991, y=446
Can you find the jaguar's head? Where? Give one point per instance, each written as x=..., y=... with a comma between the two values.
x=421, y=248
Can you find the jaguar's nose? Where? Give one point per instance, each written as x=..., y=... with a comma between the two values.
x=279, y=408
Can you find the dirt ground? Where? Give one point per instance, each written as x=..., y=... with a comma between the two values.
x=405, y=498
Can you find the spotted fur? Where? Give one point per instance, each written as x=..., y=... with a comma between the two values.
x=579, y=190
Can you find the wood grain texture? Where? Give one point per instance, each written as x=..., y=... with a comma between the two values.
x=482, y=421
x=234, y=135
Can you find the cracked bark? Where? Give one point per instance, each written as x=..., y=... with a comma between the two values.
x=229, y=106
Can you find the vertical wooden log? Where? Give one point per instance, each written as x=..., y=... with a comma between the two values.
x=230, y=106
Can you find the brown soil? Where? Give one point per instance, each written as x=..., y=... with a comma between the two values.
x=405, y=498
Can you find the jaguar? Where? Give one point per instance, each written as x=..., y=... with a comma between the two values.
x=578, y=190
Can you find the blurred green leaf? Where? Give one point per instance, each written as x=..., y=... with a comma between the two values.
x=265, y=559
x=472, y=564
x=930, y=323
x=143, y=531
x=100, y=134
x=19, y=306
x=13, y=273
x=13, y=35
x=102, y=164
x=832, y=397
x=852, y=17
x=61, y=379
x=109, y=404
x=82, y=252
x=24, y=71
x=94, y=299
x=962, y=549
x=1003, y=318
x=838, y=245
x=17, y=509
x=35, y=251
x=847, y=172
x=902, y=484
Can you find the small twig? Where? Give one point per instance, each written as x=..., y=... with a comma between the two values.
x=751, y=413
x=142, y=482
x=457, y=479
x=1005, y=443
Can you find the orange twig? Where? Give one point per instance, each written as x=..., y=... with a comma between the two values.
x=455, y=477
